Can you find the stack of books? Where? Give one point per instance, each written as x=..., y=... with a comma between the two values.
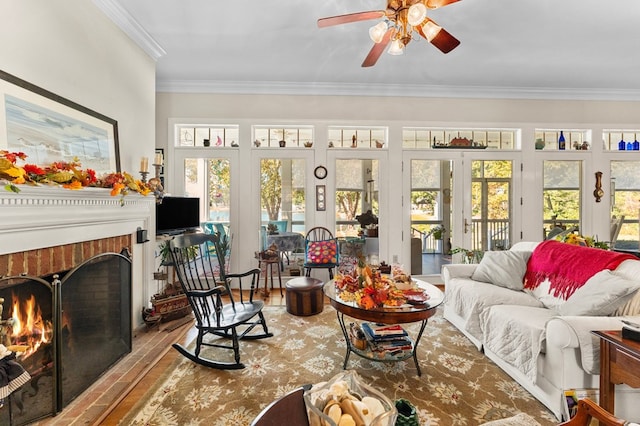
x=387, y=341
x=631, y=330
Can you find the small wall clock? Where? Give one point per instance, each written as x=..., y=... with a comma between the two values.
x=320, y=172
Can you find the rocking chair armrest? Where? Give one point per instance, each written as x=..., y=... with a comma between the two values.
x=244, y=274
x=205, y=293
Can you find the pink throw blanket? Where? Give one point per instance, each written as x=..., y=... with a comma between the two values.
x=568, y=266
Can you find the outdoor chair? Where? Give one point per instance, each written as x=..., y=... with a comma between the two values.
x=587, y=409
x=214, y=308
x=320, y=251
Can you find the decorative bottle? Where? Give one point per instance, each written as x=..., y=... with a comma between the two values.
x=636, y=145
x=629, y=146
x=622, y=145
x=561, y=142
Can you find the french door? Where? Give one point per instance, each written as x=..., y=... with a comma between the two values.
x=469, y=196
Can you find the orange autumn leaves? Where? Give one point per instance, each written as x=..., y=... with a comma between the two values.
x=69, y=175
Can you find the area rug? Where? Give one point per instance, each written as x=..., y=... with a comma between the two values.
x=459, y=386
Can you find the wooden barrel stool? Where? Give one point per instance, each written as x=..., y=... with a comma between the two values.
x=304, y=296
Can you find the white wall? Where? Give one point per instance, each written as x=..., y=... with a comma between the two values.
x=395, y=113
x=72, y=49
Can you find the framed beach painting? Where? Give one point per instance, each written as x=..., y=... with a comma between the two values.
x=49, y=128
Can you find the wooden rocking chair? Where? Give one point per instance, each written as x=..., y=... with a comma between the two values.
x=197, y=267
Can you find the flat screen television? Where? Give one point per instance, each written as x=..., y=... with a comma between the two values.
x=177, y=214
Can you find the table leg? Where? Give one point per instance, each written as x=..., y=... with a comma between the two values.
x=607, y=387
x=415, y=346
x=346, y=338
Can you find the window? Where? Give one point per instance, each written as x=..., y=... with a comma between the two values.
x=625, y=201
x=356, y=193
x=429, y=208
x=210, y=180
x=427, y=138
x=573, y=139
x=357, y=137
x=621, y=140
x=561, y=194
x=282, y=192
x=282, y=137
x=218, y=136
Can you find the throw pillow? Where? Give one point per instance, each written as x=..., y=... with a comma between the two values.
x=322, y=252
x=601, y=295
x=503, y=268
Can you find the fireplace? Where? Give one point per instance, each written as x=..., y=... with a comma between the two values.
x=64, y=247
x=71, y=328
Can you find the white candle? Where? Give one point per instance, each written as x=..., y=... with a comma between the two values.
x=144, y=164
x=158, y=159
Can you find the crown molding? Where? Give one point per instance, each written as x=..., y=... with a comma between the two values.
x=393, y=90
x=131, y=27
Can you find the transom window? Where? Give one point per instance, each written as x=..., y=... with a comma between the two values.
x=434, y=138
x=282, y=136
x=357, y=137
x=217, y=136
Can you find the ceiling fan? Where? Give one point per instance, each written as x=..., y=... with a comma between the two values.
x=401, y=19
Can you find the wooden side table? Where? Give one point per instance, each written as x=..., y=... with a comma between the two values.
x=619, y=363
x=268, y=272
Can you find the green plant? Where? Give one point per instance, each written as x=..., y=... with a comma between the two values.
x=468, y=256
x=437, y=232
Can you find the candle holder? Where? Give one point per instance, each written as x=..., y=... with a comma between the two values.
x=155, y=183
x=144, y=176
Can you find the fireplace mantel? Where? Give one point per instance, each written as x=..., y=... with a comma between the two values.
x=47, y=216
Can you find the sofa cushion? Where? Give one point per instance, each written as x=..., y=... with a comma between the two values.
x=516, y=334
x=468, y=298
x=503, y=268
x=629, y=269
x=601, y=295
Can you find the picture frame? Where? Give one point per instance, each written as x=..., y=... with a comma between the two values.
x=49, y=128
x=321, y=198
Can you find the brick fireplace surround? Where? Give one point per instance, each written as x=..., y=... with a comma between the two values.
x=50, y=260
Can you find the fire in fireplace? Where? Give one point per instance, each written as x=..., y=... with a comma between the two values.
x=69, y=331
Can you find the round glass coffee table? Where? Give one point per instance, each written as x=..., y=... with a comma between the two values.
x=404, y=314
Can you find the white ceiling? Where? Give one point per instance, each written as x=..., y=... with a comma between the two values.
x=570, y=49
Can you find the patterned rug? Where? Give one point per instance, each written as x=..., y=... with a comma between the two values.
x=459, y=386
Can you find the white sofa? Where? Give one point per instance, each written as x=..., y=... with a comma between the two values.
x=530, y=335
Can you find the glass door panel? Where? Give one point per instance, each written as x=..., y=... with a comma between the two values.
x=431, y=213
x=562, y=186
x=625, y=205
x=356, y=197
x=282, y=193
x=210, y=180
x=490, y=204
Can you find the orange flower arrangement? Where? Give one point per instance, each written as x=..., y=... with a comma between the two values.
x=368, y=288
x=68, y=174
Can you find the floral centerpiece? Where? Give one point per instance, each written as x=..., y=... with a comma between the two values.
x=582, y=240
x=69, y=175
x=371, y=289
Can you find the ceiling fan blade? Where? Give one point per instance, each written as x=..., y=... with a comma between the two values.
x=378, y=48
x=434, y=4
x=351, y=17
x=443, y=40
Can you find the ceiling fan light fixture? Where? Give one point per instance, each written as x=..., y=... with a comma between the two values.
x=431, y=30
x=416, y=14
x=376, y=33
x=396, y=47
